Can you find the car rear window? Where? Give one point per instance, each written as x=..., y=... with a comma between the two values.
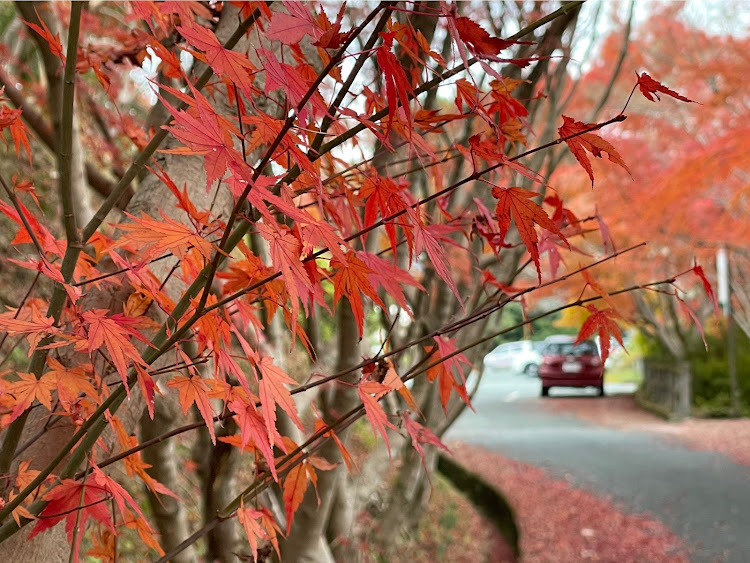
x=585, y=348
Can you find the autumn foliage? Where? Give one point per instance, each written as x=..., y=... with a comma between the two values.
x=325, y=182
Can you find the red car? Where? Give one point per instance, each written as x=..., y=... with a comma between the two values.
x=565, y=364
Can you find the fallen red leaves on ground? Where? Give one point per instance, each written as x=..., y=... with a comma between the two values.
x=562, y=524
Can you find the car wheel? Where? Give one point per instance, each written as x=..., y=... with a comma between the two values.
x=545, y=391
x=531, y=370
x=601, y=390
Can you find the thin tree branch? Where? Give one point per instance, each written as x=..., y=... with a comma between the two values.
x=65, y=144
x=44, y=133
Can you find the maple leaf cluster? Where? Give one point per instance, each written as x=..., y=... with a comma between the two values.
x=309, y=228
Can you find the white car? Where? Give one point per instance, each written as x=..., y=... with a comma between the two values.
x=518, y=357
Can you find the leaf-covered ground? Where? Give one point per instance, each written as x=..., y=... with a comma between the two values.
x=560, y=523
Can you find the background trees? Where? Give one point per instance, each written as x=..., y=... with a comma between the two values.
x=327, y=205
x=688, y=197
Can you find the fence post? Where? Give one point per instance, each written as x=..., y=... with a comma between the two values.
x=682, y=390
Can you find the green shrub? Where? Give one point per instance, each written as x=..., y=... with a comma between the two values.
x=711, y=387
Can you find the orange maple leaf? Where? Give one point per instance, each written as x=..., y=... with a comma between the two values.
x=154, y=238
x=258, y=524
x=393, y=381
x=114, y=334
x=44, y=32
x=71, y=381
x=295, y=486
x=272, y=392
x=518, y=203
x=29, y=388
x=446, y=360
x=35, y=329
x=598, y=289
x=194, y=390
x=352, y=279
x=587, y=142
x=253, y=429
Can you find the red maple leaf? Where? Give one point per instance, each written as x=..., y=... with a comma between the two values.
x=421, y=435
x=18, y=134
x=424, y=239
x=285, y=255
x=478, y=40
x=650, y=88
x=253, y=430
x=75, y=503
x=397, y=87
x=470, y=35
x=518, y=203
x=291, y=81
x=235, y=66
x=587, y=142
x=390, y=277
x=698, y=271
x=383, y=195
x=148, y=388
x=601, y=321
x=204, y=133
x=370, y=393
x=292, y=27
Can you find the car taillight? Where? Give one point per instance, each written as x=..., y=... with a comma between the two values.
x=595, y=361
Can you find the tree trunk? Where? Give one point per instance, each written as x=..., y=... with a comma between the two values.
x=169, y=514
x=307, y=540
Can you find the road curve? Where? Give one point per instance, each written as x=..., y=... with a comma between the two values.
x=704, y=497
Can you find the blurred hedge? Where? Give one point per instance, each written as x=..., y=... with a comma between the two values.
x=711, y=388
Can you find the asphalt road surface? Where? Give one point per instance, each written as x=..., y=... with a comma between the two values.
x=702, y=496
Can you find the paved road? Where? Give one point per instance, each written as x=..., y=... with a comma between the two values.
x=702, y=496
